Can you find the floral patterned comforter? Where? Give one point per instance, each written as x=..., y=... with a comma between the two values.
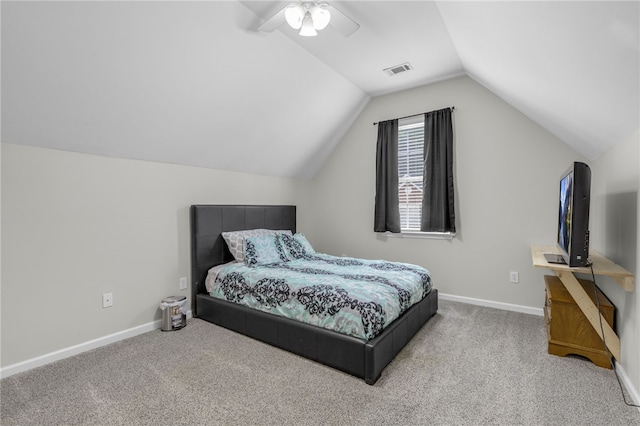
x=351, y=296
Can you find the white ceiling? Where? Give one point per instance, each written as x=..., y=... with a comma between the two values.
x=391, y=33
x=194, y=83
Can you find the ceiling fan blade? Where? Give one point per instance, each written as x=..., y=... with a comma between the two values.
x=274, y=22
x=342, y=22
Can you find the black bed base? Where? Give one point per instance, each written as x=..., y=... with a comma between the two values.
x=365, y=360
x=354, y=356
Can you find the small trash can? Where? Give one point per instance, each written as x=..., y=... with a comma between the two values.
x=174, y=313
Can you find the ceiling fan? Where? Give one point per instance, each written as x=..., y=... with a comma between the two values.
x=310, y=17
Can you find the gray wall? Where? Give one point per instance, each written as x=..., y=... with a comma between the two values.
x=75, y=226
x=614, y=232
x=507, y=171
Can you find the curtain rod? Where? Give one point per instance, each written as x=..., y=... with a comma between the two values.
x=414, y=115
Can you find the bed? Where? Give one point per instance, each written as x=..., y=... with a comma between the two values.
x=365, y=359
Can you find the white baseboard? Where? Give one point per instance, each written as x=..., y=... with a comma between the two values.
x=154, y=325
x=626, y=382
x=10, y=370
x=492, y=304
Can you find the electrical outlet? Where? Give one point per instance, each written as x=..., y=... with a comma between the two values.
x=513, y=277
x=183, y=283
x=107, y=300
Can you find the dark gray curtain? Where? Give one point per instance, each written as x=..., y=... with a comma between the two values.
x=438, y=214
x=387, y=210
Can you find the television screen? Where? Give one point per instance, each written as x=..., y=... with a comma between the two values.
x=564, y=223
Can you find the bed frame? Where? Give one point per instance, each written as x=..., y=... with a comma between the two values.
x=346, y=353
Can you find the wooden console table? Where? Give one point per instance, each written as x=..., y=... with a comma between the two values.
x=601, y=266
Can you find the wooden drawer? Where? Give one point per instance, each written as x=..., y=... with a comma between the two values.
x=568, y=330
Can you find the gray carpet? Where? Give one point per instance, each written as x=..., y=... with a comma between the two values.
x=468, y=365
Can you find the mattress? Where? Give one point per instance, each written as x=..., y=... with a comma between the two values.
x=356, y=297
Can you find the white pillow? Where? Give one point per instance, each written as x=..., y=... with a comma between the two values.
x=235, y=239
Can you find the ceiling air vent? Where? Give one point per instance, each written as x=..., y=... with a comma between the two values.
x=398, y=69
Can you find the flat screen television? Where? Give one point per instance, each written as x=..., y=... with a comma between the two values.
x=573, y=217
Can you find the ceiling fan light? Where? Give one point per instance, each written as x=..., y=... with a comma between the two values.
x=307, y=29
x=294, y=14
x=320, y=16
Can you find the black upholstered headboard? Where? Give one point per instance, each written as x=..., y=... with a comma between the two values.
x=209, y=249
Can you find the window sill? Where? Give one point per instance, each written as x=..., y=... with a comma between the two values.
x=418, y=234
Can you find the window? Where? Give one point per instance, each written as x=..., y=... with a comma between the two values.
x=410, y=169
x=413, y=152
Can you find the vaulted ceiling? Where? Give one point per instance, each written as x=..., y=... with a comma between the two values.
x=195, y=83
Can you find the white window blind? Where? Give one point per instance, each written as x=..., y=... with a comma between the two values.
x=410, y=169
